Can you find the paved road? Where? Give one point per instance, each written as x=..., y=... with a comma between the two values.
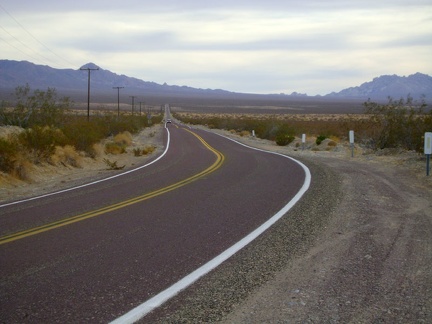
x=98, y=268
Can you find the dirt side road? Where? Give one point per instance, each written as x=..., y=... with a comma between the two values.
x=372, y=262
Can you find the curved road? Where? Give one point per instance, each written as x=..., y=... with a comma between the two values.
x=202, y=197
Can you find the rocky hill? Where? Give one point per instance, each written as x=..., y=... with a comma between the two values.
x=416, y=85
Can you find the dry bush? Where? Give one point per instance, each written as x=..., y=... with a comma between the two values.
x=66, y=155
x=114, y=148
x=244, y=133
x=332, y=143
x=148, y=149
x=113, y=165
x=21, y=168
x=124, y=139
x=137, y=152
x=98, y=149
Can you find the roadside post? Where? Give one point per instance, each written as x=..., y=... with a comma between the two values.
x=303, y=141
x=253, y=133
x=428, y=149
x=351, y=140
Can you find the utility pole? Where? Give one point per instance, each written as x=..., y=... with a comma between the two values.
x=118, y=99
x=133, y=98
x=88, y=90
x=142, y=102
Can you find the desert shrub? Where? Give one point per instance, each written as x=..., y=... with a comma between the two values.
x=332, y=143
x=40, y=141
x=284, y=139
x=148, y=149
x=98, y=149
x=244, y=133
x=398, y=124
x=320, y=139
x=83, y=135
x=21, y=168
x=137, y=152
x=8, y=152
x=66, y=155
x=37, y=108
x=124, y=138
x=114, y=148
x=112, y=165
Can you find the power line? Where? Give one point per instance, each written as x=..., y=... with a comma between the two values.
x=20, y=50
x=32, y=36
x=46, y=60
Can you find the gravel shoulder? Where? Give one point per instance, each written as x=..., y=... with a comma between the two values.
x=357, y=248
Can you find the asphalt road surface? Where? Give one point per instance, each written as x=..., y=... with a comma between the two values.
x=95, y=253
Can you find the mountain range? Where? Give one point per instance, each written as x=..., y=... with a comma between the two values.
x=16, y=73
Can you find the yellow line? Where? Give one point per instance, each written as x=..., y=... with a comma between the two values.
x=44, y=228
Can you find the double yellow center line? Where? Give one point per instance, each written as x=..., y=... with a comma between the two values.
x=44, y=228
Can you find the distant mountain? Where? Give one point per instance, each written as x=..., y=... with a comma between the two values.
x=380, y=88
x=17, y=73
x=69, y=81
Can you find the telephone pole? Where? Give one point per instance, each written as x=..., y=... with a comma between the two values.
x=133, y=100
x=118, y=99
x=140, y=106
x=88, y=90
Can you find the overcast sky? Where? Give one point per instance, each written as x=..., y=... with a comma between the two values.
x=272, y=46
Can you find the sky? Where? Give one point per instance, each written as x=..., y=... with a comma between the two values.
x=273, y=46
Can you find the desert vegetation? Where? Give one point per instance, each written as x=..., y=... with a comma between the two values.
x=395, y=124
x=46, y=129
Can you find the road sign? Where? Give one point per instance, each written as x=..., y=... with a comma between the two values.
x=428, y=143
x=428, y=149
x=351, y=137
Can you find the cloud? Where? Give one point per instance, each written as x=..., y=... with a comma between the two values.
x=249, y=46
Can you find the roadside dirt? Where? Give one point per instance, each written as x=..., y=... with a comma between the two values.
x=370, y=264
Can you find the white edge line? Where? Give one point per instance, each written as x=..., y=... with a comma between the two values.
x=93, y=182
x=156, y=301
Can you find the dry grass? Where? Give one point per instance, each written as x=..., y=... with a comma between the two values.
x=66, y=155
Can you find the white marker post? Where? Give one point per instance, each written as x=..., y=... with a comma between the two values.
x=428, y=149
x=351, y=140
x=303, y=141
x=253, y=133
